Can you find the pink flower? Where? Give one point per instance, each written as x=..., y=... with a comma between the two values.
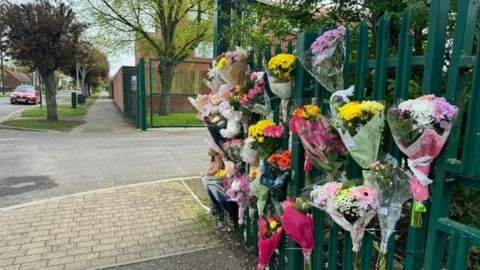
x=428, y=97
x=273, y=131
x=328, y=191
x=365, y=196
x=253, y=76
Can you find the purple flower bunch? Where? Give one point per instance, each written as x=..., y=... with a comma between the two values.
x=233, y=55
x=443, y=112
x=328, y=40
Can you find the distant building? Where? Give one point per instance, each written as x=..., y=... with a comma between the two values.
x=15, y=78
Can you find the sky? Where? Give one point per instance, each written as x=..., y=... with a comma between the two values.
x=116, y=61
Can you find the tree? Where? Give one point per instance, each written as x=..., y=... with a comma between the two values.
x=43, y=36
x=181, y=25
x=89, y=59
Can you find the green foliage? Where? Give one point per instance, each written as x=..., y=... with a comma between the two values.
x=63, y=110
x=175, y=119
x=43, y=124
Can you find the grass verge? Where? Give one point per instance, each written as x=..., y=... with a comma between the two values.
x=62, y=110
x=5, y=95
x=175, y=119
x=61, y=125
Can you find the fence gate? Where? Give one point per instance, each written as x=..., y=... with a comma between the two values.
x=187, y=82
x=134, y=94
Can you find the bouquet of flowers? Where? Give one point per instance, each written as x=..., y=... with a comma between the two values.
x=255, y=98
x=268, y=137
x=420, y=128
x=275, y=172
x=231, y=66
x=360, y=126
x=269, y=236
x=351, y=207
x=325, y=58
x=321, y=142
x=232, y=149
x=298, y=225
x=281, y=68
x=393, y=186
x=240, y=193
x=259, y=191
x=248, y=154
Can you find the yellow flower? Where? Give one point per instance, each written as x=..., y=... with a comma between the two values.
x=312, y=110
x=221, y=173
x=350, y=110
x=256, y=131
x=279, y=229
x=253, y=173
x=260, y=139
x=372, y=107
x=273, y=224
x=282, y=66
x=221, y=63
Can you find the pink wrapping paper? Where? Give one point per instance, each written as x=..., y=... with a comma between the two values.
x=299, y=227
x=266, y=247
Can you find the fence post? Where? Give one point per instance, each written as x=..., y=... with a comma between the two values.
x=141, y=84
x=303, y=81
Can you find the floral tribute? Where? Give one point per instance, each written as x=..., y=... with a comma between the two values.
x=276, y=172
x=231, y=66
x=360, y=125
x=324, y=147
x=239, y=191
x=281, y=68
x=298, y=225
x=420, y=128
x=254, y=97
x=270, y=234
x=351, y=207
x=268, y=137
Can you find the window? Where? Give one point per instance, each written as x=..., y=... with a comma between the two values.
x=204, y=50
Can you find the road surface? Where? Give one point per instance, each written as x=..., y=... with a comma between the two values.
x=6, y=108
x=40, y=165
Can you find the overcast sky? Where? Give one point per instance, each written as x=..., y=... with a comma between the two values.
x=124, y=59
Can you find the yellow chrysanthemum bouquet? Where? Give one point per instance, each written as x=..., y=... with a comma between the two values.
x=231, y=66
x=360, y=125
x=280, y=74
x=268, y=137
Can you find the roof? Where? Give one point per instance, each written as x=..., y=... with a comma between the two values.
x=22, y=77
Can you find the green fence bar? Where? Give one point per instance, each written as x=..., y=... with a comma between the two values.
x=142, y=96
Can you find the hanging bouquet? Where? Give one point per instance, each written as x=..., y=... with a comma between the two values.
x=360, y=126
x=281, y=68
x=298, y=225
x=248, y=154
x=269, y=236
x=221, y=176
x=240, y=193
x=231, y=66
x=321, y=142
x=420, y=128
x=254, y=96
x=259, y=191
x=393, y=186
x=351, y=207
x=268, y=137
x=275, y=172
x=233, y=149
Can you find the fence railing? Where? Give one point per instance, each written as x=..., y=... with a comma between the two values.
x=453, y=167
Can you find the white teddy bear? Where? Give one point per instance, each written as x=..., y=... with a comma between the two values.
x=233, y=122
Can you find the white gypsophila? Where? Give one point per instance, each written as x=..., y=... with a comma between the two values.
x=406, y=105
x=235, y=186
x=422, y=108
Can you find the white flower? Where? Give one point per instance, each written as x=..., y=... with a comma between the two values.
x=424, y=121
x=421, y=108
x=406, y=105
x=235, y=186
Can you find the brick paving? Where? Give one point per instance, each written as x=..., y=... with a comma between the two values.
x=103, y=228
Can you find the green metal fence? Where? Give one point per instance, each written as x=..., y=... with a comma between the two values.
x=134, y=95
x=187, y=82
x=440, y=242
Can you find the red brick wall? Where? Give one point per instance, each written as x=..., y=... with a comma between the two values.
x=117, y=85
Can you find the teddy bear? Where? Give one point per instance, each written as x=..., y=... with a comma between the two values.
x=216, y=162
x=233, y=122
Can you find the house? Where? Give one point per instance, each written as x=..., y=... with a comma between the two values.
x=15, y=78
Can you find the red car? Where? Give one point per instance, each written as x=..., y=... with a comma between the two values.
x=25, y=94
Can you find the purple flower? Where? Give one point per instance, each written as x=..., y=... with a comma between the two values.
x=442, y=110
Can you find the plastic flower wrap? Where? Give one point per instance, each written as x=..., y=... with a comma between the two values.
x=298, y=225
x=233, y=149
x=393, y=186
x=351, y=207
x=231, y=66
x=254, y=97
x=275, y=172
x=269, y=236
x=259, y=191
x=248, y=154
x=215, y=122
x=360, y=125
x=420, y=128
x=240, y=193
x=281, y=68
x=324, y=147
x=268, y=137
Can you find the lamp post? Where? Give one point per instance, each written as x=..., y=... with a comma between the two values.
x=3, y=69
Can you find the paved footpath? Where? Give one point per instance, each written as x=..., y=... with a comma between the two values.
x=102, y=228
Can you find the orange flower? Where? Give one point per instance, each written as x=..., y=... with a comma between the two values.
x=284, y=162
x=264, y=230
x=270, y=219
x=274, y=158
x=227, y=95
x=287, y=153
x=299, y=111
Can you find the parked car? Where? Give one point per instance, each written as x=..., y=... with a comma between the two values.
x=25, y=94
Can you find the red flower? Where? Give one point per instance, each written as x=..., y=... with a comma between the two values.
x=205, y=118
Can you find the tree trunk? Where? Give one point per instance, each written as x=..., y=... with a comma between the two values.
x=166, y=71
x=48, y=79
x=88, y=90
